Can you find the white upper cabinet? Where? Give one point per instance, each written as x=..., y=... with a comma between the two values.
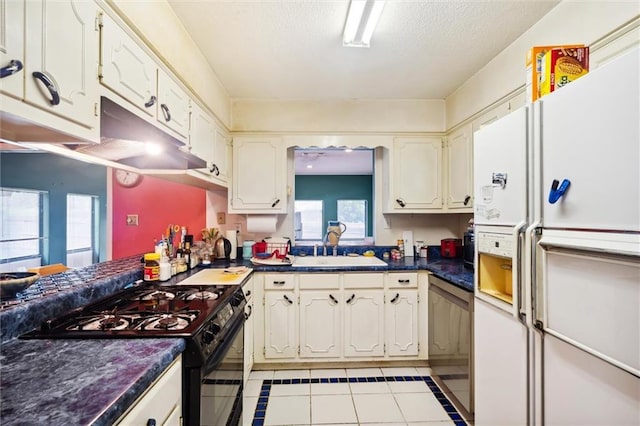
x=126, y=68
x=12, y=48
x=129, y=70
x=259, y=183
x=416, y=175
x=45, y=67
x=459, y=170
x=173, y=104
x=208, y=141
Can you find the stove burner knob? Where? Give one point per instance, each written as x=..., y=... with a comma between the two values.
x=235, y=300
x=207, y=337
x=214, y=329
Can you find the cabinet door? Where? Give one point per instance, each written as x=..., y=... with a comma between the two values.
x=162, y=401
x=280, y=333
x=259, y=176
x=220, y=155
x=320, y=324
x=12, y=46
x=173, y=104
x=201, y=135
x=67, y=64
x=417, y=174
x=126, y=68
x=363, y=323
x=401, y=322
x=459, y=172
x=248, y=339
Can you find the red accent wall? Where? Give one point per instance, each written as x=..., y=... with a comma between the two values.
x=158, y=203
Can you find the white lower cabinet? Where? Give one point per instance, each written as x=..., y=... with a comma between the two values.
x=320, y=324
x=401, y=322
x=280, y=317
x=364, y=323
x=161, y=404
x=338, y=317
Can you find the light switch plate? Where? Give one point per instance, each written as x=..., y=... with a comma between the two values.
x=407, y=236
x=132, y=220
x=221, y=218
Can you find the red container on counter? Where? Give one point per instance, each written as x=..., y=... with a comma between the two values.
x=451, y=247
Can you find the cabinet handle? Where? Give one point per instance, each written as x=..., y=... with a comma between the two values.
x=165, y=112
x=467, y=199
x=333, y=299
x=404, y=281
x=395, y=299
x=151, y=422
x=401, y=202
x=50, y=85
x=151, y=102
x=287, y=299
x=248, y=293
x=278, y=283
x=214, y=169
x=349, y=300
x=248, y=314
x=13, y=67
x=275, y=202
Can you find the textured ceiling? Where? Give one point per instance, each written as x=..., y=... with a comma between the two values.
x=292, y=49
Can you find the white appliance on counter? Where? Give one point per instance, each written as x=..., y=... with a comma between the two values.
x=557, y=279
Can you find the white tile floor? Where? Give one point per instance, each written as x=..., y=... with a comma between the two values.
x=383, y=400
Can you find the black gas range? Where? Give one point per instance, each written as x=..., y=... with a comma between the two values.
x=209, y=317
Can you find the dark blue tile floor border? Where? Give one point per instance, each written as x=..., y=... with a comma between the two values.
x=265, y=390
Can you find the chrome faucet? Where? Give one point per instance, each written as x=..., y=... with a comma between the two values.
x=325, y=243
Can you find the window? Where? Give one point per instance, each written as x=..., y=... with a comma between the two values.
x=21, y=229
x=353, y=213
x=81, y=230
x=308, y=220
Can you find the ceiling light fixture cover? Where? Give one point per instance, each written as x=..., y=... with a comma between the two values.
x=361, y=22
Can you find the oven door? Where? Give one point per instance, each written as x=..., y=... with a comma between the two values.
x=221, y=381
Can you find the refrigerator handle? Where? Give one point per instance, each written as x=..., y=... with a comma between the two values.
x=532, y=236
x=518, y=236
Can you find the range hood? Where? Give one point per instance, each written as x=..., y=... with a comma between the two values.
x=124, y=137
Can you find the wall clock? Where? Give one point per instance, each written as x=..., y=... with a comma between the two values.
x=128, y=179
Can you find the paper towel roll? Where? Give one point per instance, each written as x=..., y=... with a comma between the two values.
x=262, y=223
x=233, y=237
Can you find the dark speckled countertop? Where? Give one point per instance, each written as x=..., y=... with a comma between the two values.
x=93, y=382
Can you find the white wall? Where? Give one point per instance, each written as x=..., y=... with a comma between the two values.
x=373, y=115
x=581, y=22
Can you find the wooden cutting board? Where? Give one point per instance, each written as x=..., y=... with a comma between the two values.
x=216, y=276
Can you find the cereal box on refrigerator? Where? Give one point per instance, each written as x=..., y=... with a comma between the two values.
x=562, y=66
x=535, y=57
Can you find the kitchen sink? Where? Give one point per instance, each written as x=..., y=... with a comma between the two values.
x=336, y=261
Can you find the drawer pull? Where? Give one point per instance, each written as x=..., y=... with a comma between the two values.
x=404, y=281
x=287, y=299
x=349, y=300
x=278, y=283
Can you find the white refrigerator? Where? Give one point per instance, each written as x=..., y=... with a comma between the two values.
x=557, y=277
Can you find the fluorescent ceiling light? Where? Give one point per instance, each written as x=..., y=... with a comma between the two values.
x=361, y=22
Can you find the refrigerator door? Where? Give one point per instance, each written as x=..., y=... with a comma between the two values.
x=591, y=139
x=590, y=298
x=500, y=171
x=501, y=362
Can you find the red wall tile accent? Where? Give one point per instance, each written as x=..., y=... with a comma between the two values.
x=158, y=203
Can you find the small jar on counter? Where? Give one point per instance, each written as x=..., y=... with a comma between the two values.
x=151, y=267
